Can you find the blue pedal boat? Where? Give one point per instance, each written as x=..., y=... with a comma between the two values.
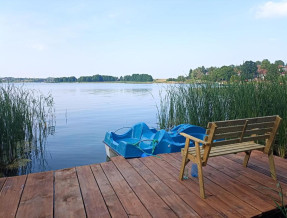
x=140, y=140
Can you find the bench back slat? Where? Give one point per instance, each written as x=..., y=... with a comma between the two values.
x=242, y=130
x=258, y=131
x=242, y=121
x=227, y=135
x=226, y=142
x=227, y=129
x=255, y=138
x=259, y=125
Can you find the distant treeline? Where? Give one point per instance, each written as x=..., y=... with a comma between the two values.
x=103, y=78
x=248, y=71
x=137, y=78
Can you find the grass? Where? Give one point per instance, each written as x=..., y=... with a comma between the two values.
x=199, y=104
x=26, y=118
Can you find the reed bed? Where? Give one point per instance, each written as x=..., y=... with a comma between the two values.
x=200, y=104
x=26, y=118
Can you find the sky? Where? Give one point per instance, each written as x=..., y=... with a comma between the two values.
x=163, y=38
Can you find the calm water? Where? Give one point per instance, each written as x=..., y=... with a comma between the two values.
x=85, y=112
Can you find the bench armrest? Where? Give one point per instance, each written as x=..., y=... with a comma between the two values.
x=193, y=138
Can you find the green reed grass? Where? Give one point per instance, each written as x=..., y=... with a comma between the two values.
x=200, y=104
x=26, y=118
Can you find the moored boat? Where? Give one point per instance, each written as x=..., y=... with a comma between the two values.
x=140, y=140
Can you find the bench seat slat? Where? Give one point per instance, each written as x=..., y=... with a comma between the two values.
x=224, y=147
x=237, y=150
x=229, y=149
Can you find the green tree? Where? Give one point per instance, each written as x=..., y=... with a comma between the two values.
x=180, y=78
x=138, y=78
x=279, y=62
x=225, y=73
x=212, y=74
x=265, y=64
x=199, y=72
x=258, y=62
x=234, y=78
x=190, y=74
x=272, y=72
x=248, y=70
x=72, y=79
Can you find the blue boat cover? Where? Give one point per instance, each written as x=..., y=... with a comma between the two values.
x=140, y=140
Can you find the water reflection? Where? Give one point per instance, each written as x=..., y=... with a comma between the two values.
x=84, y=113
x=106, y=92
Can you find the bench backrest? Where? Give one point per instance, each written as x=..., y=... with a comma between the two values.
x=241, y=130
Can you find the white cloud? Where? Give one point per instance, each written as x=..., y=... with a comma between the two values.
x=272, y=9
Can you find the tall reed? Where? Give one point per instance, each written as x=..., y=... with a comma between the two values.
x=200, y=104
x=26, y=117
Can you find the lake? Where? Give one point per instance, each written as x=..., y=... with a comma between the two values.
x=86, y=111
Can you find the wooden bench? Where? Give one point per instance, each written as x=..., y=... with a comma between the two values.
x=228, y=137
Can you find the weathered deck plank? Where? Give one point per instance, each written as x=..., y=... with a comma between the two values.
x=179, y=203
x=154, y=204
x=225, y=201
x=2, y=181
x=94, y=203
x=128, y=198
x=188, y=188
x=10, y=195
x=247, y=176
x=68, y=199
x=113, y=203
x=233, y=186
x=253, y=164
x=146, y=187
x=262, y=161
x=37, y=197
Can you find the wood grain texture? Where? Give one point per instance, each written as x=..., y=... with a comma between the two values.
x=189, y=189
x=2, y=181
x=68, y=199
x=225, y=201
x=280, y=162
x=267, y=186
x=37, y=197
x=94, y=203
x=257, y=167
x=153, y=203
x=112, y=201
x=244, y=192
x=146, y=187
x=179, y=204
x=10, y=195
x=263, y=163
x=133, y=206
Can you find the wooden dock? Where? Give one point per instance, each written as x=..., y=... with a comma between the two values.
x=147, y=187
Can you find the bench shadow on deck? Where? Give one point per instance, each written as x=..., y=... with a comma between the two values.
x=145, y=187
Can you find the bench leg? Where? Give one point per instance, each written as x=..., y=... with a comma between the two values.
x=183, y=164
x=200, y=178
x=199, y=169
x=185, y=160
x=246, y=158
x=272, y=166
